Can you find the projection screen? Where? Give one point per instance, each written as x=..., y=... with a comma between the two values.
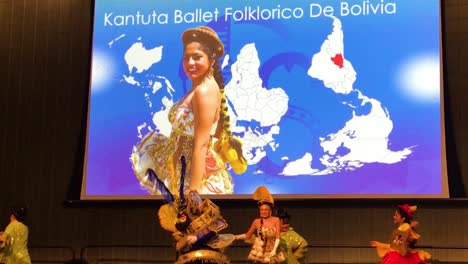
x=331, y=98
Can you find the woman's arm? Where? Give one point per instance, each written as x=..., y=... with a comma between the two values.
x=252, y=228
x=205, y=105
x=382, y=248
x=249, y=232
x=301, y=248
x=379, y=244
x=277, y=225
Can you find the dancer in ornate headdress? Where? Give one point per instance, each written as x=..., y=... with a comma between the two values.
x=201, y=129
x=265, y=248
x=400, y=249
x=293, y=244
x=194, y=223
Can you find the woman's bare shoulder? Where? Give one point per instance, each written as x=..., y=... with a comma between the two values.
x=209, y=86
x=275, y=219
x=207, y=95
x=256, y=221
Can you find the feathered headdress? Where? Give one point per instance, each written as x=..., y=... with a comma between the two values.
x=263, y=196
x=168, y=213
x=160, y=186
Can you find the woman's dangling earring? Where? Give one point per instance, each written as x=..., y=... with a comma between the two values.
x=211, y=72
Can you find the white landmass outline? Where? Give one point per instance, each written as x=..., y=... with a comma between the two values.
x=139, y=58
x=365, y=137
x=340, y=80
x=302, y=166
x=115, y=40
x=253, y=102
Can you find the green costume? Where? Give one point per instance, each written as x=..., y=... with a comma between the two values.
x=15, y=250
x=294, y=245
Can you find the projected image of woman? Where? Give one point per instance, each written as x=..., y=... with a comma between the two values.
x=400, y=248
x=200, y=127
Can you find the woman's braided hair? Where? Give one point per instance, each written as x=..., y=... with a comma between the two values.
x=227, y=142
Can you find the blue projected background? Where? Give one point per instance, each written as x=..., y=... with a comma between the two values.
x=331, y=98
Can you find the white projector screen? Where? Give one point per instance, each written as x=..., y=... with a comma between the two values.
x=337, y=98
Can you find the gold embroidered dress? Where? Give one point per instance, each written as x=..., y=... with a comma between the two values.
x=162, y=154
x=263, y=245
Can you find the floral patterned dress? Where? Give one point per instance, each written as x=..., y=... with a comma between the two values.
x=162, y=154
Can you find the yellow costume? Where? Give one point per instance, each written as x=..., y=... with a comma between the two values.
x=162, y=154
x=15, y=246
x=205, y=221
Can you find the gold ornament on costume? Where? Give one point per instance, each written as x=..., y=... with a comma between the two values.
x=229, y=148
x=208, y=256
x=210, y=219
x=168, y=217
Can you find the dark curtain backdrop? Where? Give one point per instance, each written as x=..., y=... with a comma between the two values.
x=45, y=59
